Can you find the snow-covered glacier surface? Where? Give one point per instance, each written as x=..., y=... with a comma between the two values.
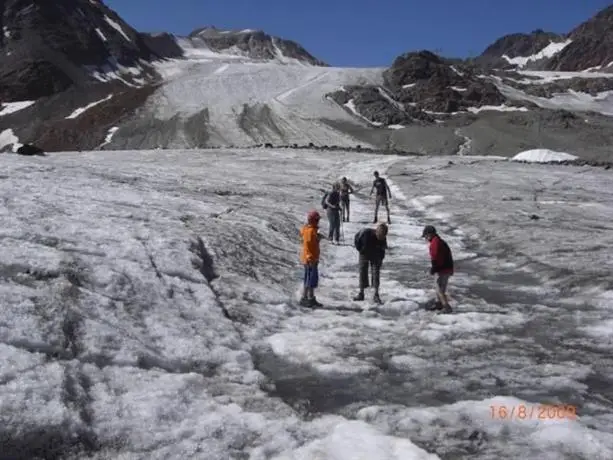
x=148, y=310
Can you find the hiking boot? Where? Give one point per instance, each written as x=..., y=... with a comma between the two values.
x=389, y=221
x=314, y=303
x=304, y=302
x=447, y=310
x=359, y=297
x=374, y=221
x=377, y=299
x=436, y=306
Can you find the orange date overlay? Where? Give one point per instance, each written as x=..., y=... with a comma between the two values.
x=533, y=412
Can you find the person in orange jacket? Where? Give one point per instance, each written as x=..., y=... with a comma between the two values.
x=309, y=257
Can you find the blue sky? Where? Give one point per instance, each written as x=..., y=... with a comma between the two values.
x=365, y=33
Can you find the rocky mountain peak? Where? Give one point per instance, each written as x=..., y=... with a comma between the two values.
x=48, y=46
x=255, y=44
x=591, y=46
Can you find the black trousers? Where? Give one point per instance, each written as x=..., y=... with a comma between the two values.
x=375, y=266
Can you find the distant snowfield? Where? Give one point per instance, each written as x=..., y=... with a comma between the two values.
x=273, y=102
x=148, y=309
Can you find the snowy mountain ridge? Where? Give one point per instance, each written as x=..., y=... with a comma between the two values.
x=216, y=88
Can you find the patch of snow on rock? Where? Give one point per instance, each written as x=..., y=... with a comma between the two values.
x=109, y=136
x=8, y=138
x=351, y=106
x=117, y=27
x=10, y=107
x=542, y=156
x=101, y=35
x=498, y=108
x=79, y=111
x=550, y=50
x=461, y=74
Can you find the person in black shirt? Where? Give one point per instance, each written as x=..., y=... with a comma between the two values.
x=382, y=196
x=371, y=244
x=333, y=211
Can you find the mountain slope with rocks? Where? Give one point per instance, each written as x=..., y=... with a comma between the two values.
x=117, y=88
x=47, y=47
x=591, y=45
x=522, y=50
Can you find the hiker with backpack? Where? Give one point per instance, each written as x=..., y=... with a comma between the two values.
x=382, y=197
x=442, y=266
x=309, y=257
x=371, y=244
x=331, y=202
x=346, y=189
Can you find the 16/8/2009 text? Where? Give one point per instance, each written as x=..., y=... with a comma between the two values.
x=534, y=412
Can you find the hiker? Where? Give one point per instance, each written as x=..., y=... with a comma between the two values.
x=384, y=194
x=371, y=244
x=310, y=259
x=442, y=266
x=333, y=211
x=346, y=189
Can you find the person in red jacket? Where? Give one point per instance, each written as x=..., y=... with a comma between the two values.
x=442, y=265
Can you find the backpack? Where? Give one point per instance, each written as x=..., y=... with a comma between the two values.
x=323, y=201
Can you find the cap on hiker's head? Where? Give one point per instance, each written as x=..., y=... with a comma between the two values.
x=344, y=179
x=376, y=173
x=313, y=216
x=428, y=230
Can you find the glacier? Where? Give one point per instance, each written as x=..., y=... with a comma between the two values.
x=149, y=309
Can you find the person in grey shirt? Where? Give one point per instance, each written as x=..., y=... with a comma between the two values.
x=333, y=211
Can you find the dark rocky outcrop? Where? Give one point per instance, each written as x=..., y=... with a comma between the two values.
x=30, y=150
x=162, y=45
x=438, y=85
x=417, y=85
x=254, y=44
x=46, y=47
x=591, y=46
x=377, y=106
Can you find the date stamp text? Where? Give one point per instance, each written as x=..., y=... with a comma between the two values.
x=533, y=412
